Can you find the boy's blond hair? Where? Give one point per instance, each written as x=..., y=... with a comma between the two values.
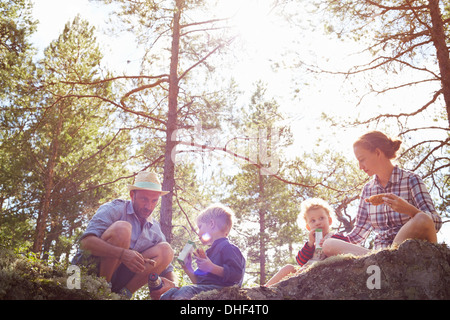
x=315, y=203
x=221, y=214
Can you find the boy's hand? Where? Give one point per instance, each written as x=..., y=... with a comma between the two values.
x=187, y=263
x=312, y=238
x=207, y=265
x=204, y=264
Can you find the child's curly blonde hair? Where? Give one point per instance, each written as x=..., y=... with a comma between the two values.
x=315, y=203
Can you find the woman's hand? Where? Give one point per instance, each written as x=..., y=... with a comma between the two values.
x=400, y=205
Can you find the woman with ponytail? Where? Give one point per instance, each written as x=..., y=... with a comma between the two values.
x=405, y=210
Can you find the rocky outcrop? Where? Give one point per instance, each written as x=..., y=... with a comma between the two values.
x=415, y=270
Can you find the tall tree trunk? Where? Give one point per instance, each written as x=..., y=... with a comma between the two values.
x=48, y=188
x=169, y=165
x=52, y=235
x=438, y=36
x=262, y=230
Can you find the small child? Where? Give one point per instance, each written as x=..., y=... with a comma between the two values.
x=317, y=215
x=224, y=264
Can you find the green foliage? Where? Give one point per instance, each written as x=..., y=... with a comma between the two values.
x=16, y=25
x=16, y=74
x=71, y=134
x=25, y=277
x=59, y=142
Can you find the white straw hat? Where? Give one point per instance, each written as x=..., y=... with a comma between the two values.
x=147, y=181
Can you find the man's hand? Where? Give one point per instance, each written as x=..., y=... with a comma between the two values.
x=135, y=261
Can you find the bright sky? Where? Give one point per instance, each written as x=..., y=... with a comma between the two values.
x=267, y=39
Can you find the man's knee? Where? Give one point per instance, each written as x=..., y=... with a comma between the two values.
x=162, y=250
x=166, y=251
x=118, y=234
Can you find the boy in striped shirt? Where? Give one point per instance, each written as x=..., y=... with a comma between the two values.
x=317, y=215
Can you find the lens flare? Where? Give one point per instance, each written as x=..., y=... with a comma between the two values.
x=205, y=237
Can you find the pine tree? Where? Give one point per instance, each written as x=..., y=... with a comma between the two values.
x=166, y=97
x=72, y=136
x=265, y=206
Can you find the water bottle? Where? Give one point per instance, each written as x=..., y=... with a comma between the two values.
x=318, y=239
x=154, y=282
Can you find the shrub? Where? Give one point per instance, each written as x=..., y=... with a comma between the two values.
x=24, y=277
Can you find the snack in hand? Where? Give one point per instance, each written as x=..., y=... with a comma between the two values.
x=150, y=261
x=200, y=253
x=376, y=199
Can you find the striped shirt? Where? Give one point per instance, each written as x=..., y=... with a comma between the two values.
x=382, y=219
x=306, y=254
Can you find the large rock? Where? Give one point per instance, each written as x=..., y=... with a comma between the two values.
x=416, y=270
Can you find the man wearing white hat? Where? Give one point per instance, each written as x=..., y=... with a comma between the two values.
x=123, y=242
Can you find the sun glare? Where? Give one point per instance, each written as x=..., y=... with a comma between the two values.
x=252, y=20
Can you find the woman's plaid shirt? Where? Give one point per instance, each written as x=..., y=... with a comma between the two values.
x=383, y=220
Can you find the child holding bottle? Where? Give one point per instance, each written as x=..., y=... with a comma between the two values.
x=222, y=266
x=317, y=215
